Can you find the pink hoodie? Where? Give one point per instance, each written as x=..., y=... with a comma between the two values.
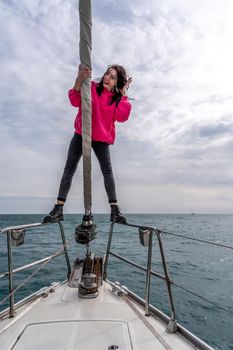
x=103, y=114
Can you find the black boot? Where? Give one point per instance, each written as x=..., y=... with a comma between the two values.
x=116, y=215
x=55, y=215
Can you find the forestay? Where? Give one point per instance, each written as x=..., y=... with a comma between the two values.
x=85, y=48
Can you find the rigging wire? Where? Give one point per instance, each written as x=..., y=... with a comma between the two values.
x=188, y=290
x=196, y=239
x=85, y=47
x=51, y=257
x=202, y=298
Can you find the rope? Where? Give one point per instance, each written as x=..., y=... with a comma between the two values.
x=85, y=46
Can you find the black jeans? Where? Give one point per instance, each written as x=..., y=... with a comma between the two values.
x=102, y=153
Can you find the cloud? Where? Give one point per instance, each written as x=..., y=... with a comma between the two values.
x=180, y=56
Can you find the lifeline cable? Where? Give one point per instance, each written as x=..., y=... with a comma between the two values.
x=48, y=259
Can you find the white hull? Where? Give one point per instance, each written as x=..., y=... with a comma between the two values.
x=62, y=320
x=111, y=318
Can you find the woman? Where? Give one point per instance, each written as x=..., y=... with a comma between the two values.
x=109, y=104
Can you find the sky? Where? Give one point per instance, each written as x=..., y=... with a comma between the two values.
x=174, y=155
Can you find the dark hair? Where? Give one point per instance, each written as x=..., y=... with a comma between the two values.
x=121, y=81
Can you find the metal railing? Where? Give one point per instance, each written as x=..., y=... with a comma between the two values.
x=11, y=233
x=146, y=238
x=150, y=232
x=172, y=324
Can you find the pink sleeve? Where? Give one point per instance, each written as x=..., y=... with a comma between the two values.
x=123, y=110
x=75, y=97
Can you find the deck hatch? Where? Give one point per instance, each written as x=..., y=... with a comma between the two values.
x=74, y=335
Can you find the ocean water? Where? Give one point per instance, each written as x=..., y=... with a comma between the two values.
x=202, y=273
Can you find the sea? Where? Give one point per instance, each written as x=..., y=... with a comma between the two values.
x=199, y=255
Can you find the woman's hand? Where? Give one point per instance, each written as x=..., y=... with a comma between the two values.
x=83, y=73
x=123, y=91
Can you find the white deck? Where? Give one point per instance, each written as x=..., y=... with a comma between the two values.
x=64, y=321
